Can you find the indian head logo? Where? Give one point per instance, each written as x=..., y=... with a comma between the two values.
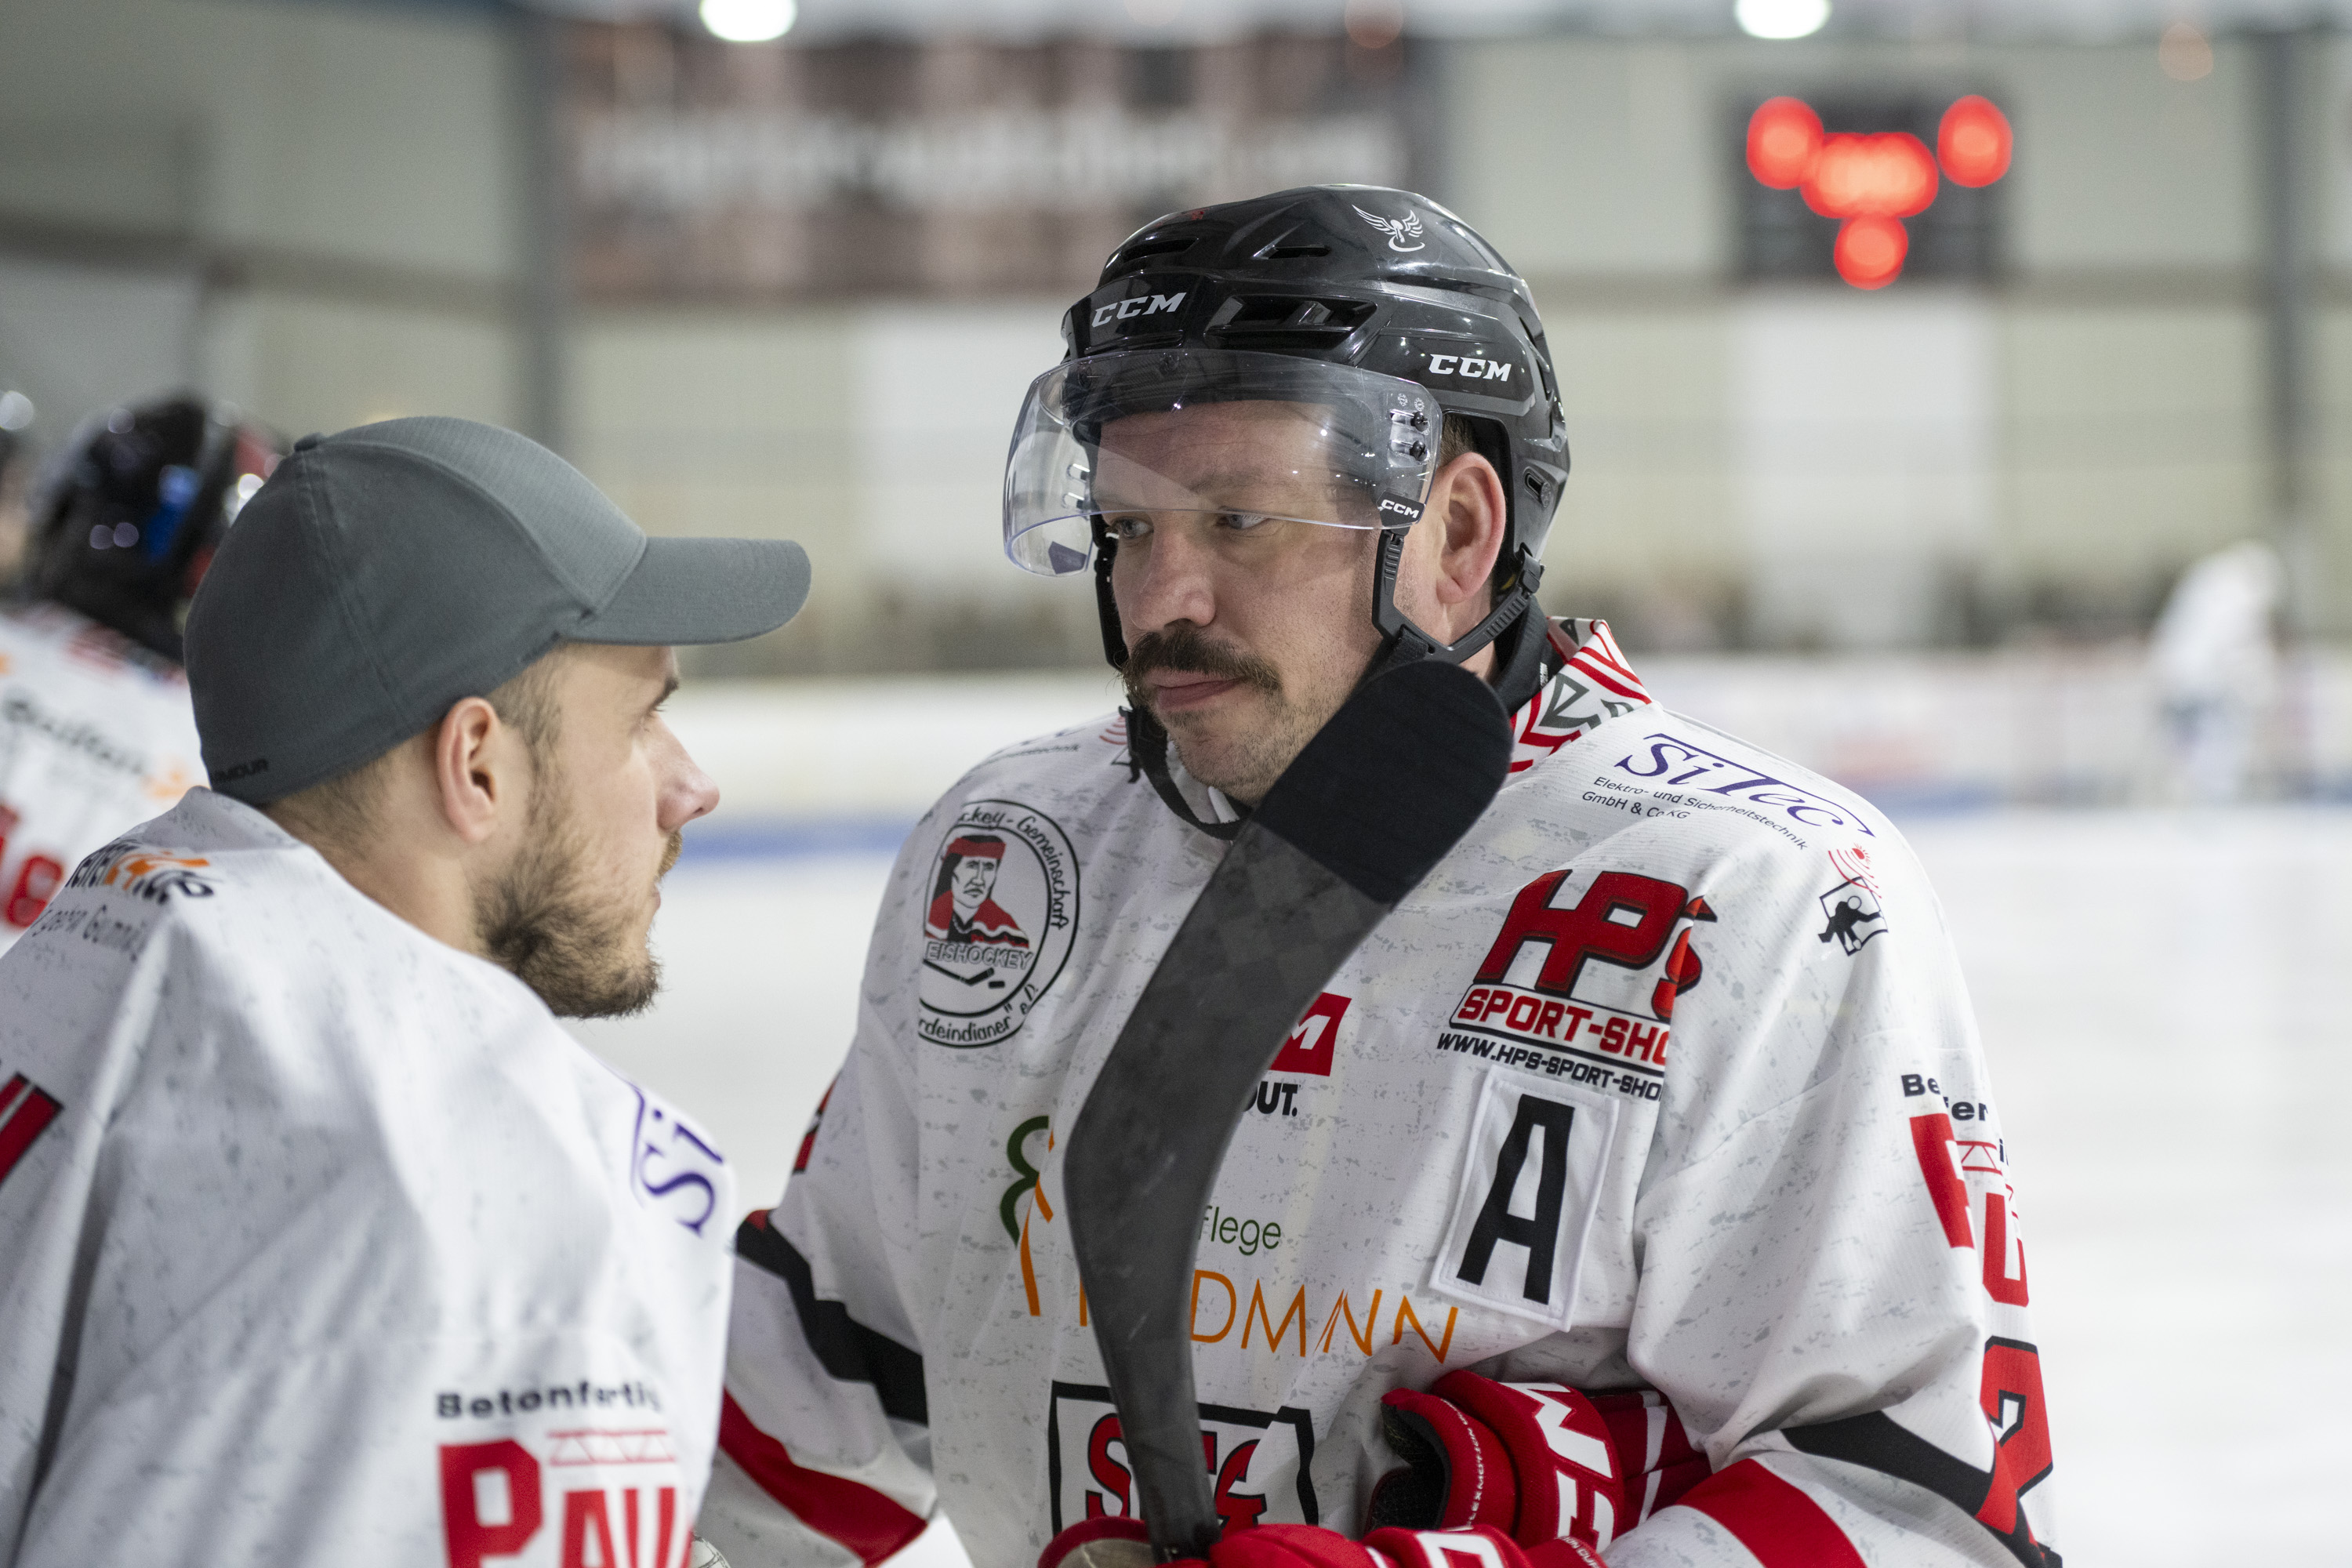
x=961, y=909
x=997, y=917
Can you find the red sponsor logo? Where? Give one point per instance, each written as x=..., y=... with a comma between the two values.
x=26, y=1111
x=496, y=1499
x=1593, y=966
x=1311, y=1045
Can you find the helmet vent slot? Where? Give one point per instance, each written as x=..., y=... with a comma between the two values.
x=1281, y=323
x=1291, y=252
x=1141, y=249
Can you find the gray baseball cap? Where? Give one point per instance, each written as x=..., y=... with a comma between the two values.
x=388, y=572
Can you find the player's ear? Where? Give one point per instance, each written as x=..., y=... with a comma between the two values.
x=1467, y=499
x=476, y=763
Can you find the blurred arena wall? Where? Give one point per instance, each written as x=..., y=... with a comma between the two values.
x=329, y=213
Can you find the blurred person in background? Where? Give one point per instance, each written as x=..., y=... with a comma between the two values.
x=2216, y=668
x=325, y=1243
x=95, y=730
x=16, y=481
x=1486, y=1254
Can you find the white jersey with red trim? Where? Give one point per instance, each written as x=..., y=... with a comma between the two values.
x=1665, y=1076
x=324, y=1243
x=96, y=735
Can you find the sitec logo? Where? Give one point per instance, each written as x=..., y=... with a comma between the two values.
x=1872, y=182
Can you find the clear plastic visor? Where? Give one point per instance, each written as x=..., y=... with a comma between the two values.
x=1130, y=443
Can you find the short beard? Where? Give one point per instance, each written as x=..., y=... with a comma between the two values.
x=1256, y=760
x=543, y=923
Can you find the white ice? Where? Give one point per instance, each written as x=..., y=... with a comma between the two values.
x=2172, y=1059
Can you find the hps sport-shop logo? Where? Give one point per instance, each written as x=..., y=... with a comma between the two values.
x=1582, y=978
x=1398, y=229
x=998, y=919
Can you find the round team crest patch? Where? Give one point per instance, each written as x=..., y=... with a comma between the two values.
x=998, y=920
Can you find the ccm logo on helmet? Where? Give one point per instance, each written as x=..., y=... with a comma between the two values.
x=1470, y=369
x=1138, y=306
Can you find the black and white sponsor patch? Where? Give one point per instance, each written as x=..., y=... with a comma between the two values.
x=1531, y=1183
x=1854, y=916
x=1257, y=1462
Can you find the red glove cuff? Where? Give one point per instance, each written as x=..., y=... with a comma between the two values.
x=1565, y=1471
x=1538, y=1461
x=1463, y=1477
x=1483, y=1547
x=1113, y=1542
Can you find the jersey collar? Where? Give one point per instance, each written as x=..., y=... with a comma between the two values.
x=1587, y=682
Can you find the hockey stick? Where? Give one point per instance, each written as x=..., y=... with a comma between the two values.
x=1375, y=800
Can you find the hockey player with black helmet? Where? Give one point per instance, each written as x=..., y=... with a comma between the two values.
x=1634, y=1192
x=96, y=733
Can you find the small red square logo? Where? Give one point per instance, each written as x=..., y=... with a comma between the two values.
x=1309, y=1049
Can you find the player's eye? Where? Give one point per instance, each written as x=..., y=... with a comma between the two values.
x=1128, y=528
x=1244, y=522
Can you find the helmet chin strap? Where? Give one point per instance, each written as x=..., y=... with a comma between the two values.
x=1405, y=643
x=1146, y=751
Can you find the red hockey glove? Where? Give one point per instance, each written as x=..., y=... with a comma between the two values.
x=1537, y=1461
x=1112, y=1541
x=1115, y=1543
x=1481, y=1546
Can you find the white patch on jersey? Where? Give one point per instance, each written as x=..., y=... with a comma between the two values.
x=1530, y=1185
x=1257, y=1462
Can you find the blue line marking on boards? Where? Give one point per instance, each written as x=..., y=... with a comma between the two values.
x=791, y=838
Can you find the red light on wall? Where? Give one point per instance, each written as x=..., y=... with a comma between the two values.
x=1873, y=182
x=1784, y=137
x=1872, y=176
x=1973, y=142
x=1869, y=251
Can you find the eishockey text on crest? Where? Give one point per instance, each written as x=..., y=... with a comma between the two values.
x=998, y=919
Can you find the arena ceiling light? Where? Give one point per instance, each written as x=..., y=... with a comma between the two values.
x=750, y=21
x=1185, y=21
x=1781, y=18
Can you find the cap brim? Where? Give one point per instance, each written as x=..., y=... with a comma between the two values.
x=692, y=590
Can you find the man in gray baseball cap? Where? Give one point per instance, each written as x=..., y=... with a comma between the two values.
x=311, y=1206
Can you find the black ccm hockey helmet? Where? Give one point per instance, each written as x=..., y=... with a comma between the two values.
x=1371, y=313
x=128, y=519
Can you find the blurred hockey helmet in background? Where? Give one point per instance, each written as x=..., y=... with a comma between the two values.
x=129, y=515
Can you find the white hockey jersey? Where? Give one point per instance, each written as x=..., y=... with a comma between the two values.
x=325, y=1244
x=1665, y=1076
x=96, y=735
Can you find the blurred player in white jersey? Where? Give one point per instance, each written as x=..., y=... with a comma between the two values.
x=16, y=414
x=95, y=730
x=1634, y=1190
x=323, y=1242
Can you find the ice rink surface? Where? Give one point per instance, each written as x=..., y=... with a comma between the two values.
x=2172, y=1061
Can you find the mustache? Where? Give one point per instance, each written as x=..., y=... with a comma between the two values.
x=670, y=852
x=1185, y=647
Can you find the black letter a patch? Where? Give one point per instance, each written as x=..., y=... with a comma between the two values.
x=1529, y=1189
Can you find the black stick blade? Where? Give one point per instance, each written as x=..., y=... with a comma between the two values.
x=1395, y=779
x=1371, y=803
